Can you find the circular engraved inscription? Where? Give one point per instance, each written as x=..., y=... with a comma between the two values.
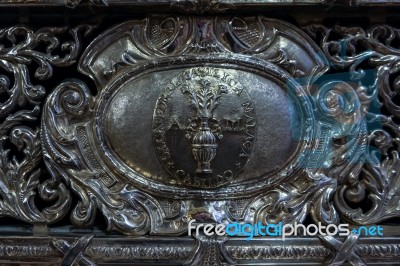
x=204, y=127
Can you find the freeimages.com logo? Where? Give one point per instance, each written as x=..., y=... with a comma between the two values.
x=280, y=230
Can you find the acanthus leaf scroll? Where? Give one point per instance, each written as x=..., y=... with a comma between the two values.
x=329, y=162
x=20, y=176
x=370, y=57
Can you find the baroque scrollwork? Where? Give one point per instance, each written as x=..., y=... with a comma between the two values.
x=20, y=175
x=208, y=124
x=207, y=118
x=255, y=45
x=14, y=59
x=20, y=178
x=370, y=57
x=121, y=205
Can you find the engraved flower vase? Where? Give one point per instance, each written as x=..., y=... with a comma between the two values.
x=204, y=147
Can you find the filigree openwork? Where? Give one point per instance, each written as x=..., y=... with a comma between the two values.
x=220, y=109
x=218, y=119
x=19, y=178
x=370, y=58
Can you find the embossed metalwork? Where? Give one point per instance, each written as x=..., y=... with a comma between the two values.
x=345, y=251
x=73, y=253
x=215, y=118
x=204, y=87
x=210, y=251
x=19, y=178
x=314, y=175
x=378, y=176
x=167, y=250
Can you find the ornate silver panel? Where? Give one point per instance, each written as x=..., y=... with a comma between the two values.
x=231, y=126
x=197, y=115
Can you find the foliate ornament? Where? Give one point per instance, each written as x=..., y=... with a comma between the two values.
x=370, y=57
x=222, y=114
x=206, y=118
x=69, y=102
x=19, y=179
x=14, y=60
x=20, y=173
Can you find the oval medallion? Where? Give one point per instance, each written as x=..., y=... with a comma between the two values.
x=208, y=129
x=204, y=127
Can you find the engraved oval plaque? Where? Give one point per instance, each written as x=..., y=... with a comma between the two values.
x=207, y=127
x=204, y=127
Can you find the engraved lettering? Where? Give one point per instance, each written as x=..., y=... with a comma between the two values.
x=207, y=128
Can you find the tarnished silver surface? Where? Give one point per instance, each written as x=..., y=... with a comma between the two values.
x=217, y=118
